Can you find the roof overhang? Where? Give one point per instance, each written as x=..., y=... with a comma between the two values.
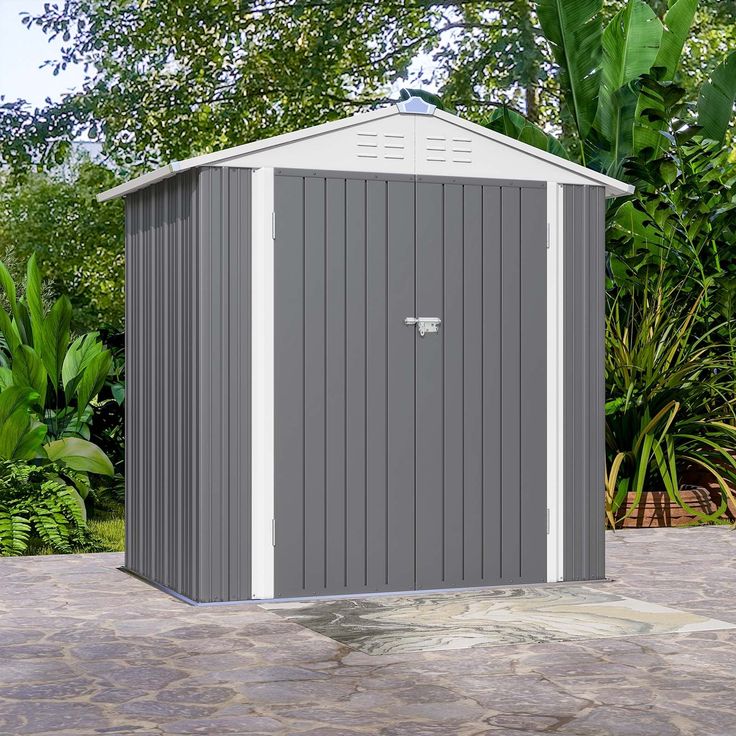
x=613, y=187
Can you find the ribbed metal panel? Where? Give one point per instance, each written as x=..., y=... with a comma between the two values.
x=403, y=461
x=188, y=372
x=584, y=394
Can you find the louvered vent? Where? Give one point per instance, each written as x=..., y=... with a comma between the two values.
x=381, y=145
x=456, y=150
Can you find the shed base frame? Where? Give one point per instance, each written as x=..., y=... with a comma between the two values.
x=354, y=596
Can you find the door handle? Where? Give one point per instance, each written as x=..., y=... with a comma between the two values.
x=424, y=324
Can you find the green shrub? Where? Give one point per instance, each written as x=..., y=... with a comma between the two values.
x=39, y=502
x=671, y=402
x=49, y=387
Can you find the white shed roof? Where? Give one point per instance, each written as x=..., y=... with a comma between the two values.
x=411, y=137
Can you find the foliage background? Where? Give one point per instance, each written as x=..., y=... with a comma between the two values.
x=169, y=79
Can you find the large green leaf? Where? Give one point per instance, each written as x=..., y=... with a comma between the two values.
x=14, y=398
x=717, y=97
x=6, y=378
x=33, y=300
x=656, y=107
x=573, y=28
x=79, y=454
x=677, y=23
x=78, y=356
x=511, y=123
x=56, y=338
x=6, y=281
x=630, y=46
x=19, y=438
x=23, y=323
x=93, y=378
x=653, y=99
x=29, y=371
x=9, y=330
x=30, y=443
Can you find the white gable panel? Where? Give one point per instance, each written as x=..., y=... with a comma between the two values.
x=384, y=145
x=394, y=140
x=446, y=149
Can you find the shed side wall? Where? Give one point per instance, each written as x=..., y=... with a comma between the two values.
x=584, y=448
x=188, y=384
x=162, y=246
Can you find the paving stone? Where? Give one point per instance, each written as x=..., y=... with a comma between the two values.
x=86, y=649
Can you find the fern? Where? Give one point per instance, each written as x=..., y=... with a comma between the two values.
x=39, y=502
x=15, y=531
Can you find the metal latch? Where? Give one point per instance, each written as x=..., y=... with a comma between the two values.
x=425, y=324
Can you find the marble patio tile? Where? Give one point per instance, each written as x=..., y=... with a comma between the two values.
x=470, y=619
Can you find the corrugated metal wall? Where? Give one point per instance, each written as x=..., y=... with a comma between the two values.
x=403, y=461
x=584, y=390
x=188, y=373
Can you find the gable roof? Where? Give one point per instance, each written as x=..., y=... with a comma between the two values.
x=410, y=107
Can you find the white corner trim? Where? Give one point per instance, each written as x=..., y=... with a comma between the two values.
x=262, y=426
x=555, y=383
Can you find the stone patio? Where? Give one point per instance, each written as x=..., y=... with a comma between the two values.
x=87, y=649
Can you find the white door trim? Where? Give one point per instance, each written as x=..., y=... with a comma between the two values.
x=555, y=382
x=262, y=415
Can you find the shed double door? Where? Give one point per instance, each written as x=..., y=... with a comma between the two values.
x=407, y=462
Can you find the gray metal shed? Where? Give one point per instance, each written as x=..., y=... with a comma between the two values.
x=366, y=356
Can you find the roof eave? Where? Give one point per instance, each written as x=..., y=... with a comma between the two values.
x=144, y=180
x=614, y=187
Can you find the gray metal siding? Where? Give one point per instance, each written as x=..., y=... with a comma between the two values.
x=584, y=448
x=188, y=371
x=331, y=319
x=402, y=461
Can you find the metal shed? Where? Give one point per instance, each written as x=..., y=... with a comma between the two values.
x=365, y=356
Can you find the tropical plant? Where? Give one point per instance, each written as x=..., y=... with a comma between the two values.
x=37, y=501
x=109, y=421
x=683, y=217
x=23, y=438
x=671, y=402
x=617, y=82
x=38, y=353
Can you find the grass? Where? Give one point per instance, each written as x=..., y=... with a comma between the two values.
x=109, y=528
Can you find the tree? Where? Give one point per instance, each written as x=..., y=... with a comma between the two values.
x=170, y=79
x=167, y=80
x=78, y=242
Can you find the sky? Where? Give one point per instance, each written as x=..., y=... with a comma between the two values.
x=22, y=51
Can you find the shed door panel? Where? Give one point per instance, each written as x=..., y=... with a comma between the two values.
x=344, y=385
x=481, y=385
x=403, y=461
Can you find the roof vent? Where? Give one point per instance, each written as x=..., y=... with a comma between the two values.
x=416, y=106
